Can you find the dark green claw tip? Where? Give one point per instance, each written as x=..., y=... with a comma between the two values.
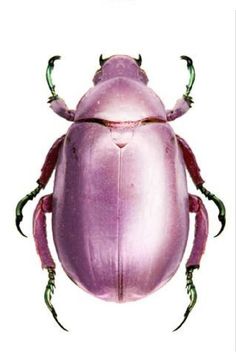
x=191, y=76
x=191, y=291
x=188, y=60
x=49, y=74
x=19, y=214
x=53, y=59
x=185, y=318
x=220, y=205
x=49, y=291
x=223, y=222
x=21, y=204
x=54, y=314
x=18, y=220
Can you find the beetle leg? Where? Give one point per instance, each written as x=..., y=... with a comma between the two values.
x=50, y=161
x=46, y=172
x=49, y=77
x=60, y=108
x=194, y=172
x=191, y=291
x=57, y=104
x=22, y=203
x=191, y=78
x=219, y=204
x=180, y=108
x=49, y=291
x=184, y=103
x=201, y=232
x=190, y=161
x=39, y=230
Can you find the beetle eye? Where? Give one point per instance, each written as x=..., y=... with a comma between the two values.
x=101, y=60
x=138, y=60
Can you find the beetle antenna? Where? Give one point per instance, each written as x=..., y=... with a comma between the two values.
x=49, y=77
x=191, y=78
x=191, y=291
x=49, y=291
x=219, y=204
x=22, y=203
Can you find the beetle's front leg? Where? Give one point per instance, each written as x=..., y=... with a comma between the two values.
x=46, y=172
x=180, y=108
x=57, y=104
x=194, y=172
x=184, y=103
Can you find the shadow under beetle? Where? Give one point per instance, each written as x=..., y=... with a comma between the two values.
x=120, y=205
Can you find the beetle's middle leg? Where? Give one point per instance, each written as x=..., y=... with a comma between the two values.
x=40, y=236
x=194, y=172
x=201, y=232
x=46, y=172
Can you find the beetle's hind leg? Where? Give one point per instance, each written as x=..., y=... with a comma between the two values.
x=191, y=291
x=49, y=290
x=40, y=236
x=201, y=232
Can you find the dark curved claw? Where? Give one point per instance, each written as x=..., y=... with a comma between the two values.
x=220, y=206
x=223, y=222
x=49, y=290
x=192, y=76
x=191, y=290
x=21, y=204
x=49, y=77
x=18, y=220
x=53, y=59
x=188, y=60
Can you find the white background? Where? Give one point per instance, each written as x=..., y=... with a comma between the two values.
x=33, y=31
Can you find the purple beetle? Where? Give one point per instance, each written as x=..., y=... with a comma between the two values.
x=120, y=205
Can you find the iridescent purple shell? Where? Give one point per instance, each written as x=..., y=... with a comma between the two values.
x=120, y=200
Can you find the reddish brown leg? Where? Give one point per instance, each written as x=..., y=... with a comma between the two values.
x=181, y=107
x=59, y=106
x=50, y=161
x=190, y=161
x=201, y=232
x=46, y=172
x=40, y=236
x=194, y=172
x=39, y=231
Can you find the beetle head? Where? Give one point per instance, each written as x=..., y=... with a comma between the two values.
x=120, y=66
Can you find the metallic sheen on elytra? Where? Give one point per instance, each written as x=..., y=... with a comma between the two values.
x=120, y=205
